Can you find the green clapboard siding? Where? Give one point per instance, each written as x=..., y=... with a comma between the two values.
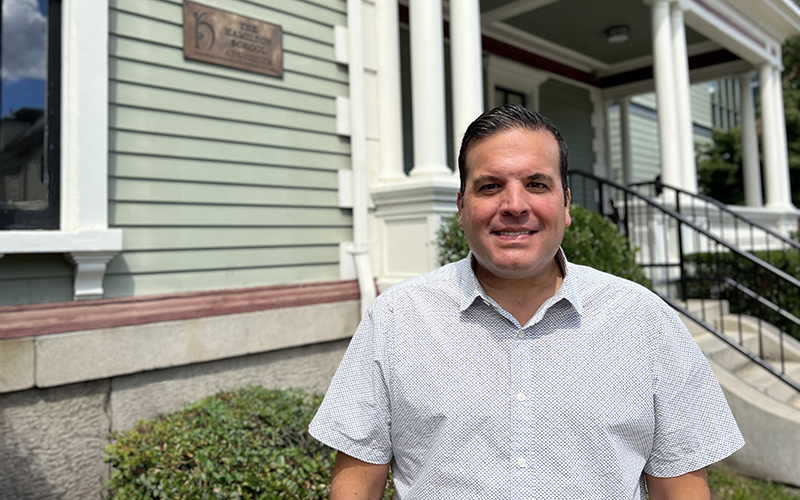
x=570, y=109
x=218, y=177
x=34, y=278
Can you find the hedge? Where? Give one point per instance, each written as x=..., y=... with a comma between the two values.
x=252, y=443
x=590, y=240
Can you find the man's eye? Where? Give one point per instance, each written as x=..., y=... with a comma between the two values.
x=537, y=185
x=489, y=186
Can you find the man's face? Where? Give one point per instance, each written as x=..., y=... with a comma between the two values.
x=512, y=209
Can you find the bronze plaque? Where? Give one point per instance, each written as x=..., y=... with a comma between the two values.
x=219, y=37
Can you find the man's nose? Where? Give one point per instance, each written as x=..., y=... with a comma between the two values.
x=515, y=200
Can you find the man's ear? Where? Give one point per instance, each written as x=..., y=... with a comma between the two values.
x=460, y=206
x=568, y=200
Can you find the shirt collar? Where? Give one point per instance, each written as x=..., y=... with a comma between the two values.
x=471, y=289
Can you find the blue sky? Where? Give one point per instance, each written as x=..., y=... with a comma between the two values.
x=22, y=84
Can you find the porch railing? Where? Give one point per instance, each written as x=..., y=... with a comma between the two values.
x=689, y=262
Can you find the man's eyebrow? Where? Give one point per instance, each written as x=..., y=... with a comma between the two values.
x=486, y=178
x=540, y=177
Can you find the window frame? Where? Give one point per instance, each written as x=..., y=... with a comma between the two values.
x=12, y=219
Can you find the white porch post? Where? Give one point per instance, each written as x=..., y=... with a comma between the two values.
x=685, y=125
x=466, y=67
x=391, y=112
x=751, y=170
x=776, y=168
x=663, y=65
x=427, y=88
x=625, y=139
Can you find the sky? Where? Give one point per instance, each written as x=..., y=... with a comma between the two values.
x=24, y=24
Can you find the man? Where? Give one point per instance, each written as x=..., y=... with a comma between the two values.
x=514, y=374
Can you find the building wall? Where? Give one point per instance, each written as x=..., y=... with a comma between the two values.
x=223, y=178
x=643, y=122
x=219, y=178
x=52, y=440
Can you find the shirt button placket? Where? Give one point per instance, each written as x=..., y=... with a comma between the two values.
x=520, y=441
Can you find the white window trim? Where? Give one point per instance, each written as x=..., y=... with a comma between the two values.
x=84, y=235
x=513, y=76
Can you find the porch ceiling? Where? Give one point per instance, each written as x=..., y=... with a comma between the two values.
x=721, y=35
x=588, y=20
x=578, y=28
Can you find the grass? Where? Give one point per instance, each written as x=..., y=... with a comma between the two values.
x=726, y=485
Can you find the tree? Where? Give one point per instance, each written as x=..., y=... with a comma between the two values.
x=719, y=166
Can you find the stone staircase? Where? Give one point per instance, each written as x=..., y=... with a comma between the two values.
x=766, y=409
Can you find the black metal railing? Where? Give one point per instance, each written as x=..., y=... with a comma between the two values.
x=695, y=269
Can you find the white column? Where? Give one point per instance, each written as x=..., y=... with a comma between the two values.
x=427, y=87
x=783, y=147
x=685, y=124
x=466, y=67
x=776, y=175
x=389, y=91
x=625, y=140
x=663, y=64
x=751, y=170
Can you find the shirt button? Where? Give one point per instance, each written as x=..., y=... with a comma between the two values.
x=520, y=397
x=521, y=334
x=522, y=463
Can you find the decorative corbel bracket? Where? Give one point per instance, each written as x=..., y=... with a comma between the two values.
x=90, y=268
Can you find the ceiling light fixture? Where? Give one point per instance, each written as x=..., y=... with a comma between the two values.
x=618, y=34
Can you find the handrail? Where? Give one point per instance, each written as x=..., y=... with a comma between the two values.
x=662, y=226
x=723, y=208
x=743, y=350
x=683, y=220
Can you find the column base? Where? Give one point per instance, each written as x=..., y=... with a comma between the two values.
x=419, y=170
x=407, y=217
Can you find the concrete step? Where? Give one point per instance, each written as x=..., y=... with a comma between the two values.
x=709, y=310
x=728, y=357
x=771, y=336
x=764, y=381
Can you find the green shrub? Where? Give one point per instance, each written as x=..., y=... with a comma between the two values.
x=248, y=444
x=590, y=240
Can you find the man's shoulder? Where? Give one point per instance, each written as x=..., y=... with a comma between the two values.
x=443, y=280
x=594, y=285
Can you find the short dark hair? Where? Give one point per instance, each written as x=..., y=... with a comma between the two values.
x=507, y=117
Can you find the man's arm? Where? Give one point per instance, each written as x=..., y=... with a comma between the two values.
x=691, y=486
x=357, y=480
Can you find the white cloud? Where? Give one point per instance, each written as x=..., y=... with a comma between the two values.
x=23, y=40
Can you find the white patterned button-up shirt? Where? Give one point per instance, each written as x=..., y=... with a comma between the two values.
x=602, y=384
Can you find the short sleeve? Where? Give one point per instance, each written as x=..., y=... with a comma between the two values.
x=354, y=417
x=694, y=426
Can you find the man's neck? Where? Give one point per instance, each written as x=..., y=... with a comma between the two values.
x=521, y=297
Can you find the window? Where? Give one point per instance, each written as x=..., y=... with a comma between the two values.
x=506, y=96
x=30, y=114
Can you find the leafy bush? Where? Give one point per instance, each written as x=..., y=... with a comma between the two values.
x=706, y=270
x=248, y=444
x=590, y=240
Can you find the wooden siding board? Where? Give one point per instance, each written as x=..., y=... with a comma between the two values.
x=23, y=266
x=182, y=147
x=132, y=95
x=176, y=169
x=35, y=290
x=181, y=79
x=124, y=213
x=184, y=238
x=159, y=122
x=136, y=190
x=215, y=259
x=158, y=32
x=325, y=12
x=149, y=284
x=316, y=24
x=570, y=108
